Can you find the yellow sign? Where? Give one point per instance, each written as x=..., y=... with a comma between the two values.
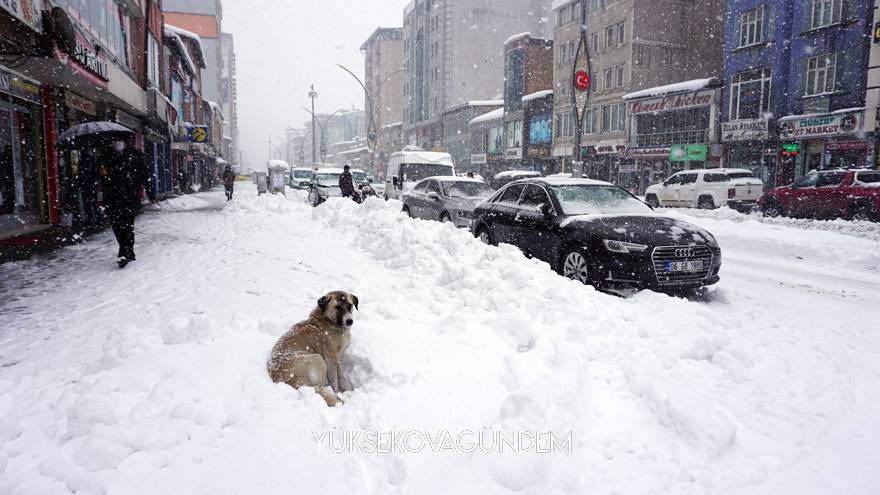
x=198, y=134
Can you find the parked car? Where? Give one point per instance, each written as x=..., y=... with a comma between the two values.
x=300, y=177
x=599, y=234
x=407, y=167
x=446, y=199
x=852, y=194
x=378, y=185
x=501, y=179
x=708, y=189
x=324, y=184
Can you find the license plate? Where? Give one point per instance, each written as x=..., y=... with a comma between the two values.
x=684, y=266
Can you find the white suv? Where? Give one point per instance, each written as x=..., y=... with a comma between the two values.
x=709, y=188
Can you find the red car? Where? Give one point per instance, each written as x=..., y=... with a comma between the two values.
x=852, y=194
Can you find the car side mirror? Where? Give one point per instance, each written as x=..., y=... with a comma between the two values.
x=433, y=196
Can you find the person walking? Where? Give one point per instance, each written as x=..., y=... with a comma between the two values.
x=123, y=172
x=229, y=182
x=346, y=183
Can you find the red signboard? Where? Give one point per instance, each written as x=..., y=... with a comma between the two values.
x=582, y=80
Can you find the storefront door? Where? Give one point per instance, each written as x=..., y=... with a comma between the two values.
x=19, y=203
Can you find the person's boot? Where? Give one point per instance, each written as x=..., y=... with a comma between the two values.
x=123, y=262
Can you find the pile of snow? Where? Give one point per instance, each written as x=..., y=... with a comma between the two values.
x=186, y=202
x=164, y=389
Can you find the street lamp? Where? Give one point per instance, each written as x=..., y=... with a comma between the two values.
x=323, y=133
x=312, y=95
x=371, y=130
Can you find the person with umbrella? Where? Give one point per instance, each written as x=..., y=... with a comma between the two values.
x=123, y=172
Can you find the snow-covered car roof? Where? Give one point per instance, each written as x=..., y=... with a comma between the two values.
x=720, y=171
x=562, y=181
x=450, y=178
x=329, y=170
x=426, y=157
x=302, y=168
x=517, y=173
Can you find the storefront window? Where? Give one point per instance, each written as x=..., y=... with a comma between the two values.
x=19, y=180
x=750, y=94
x=689, y=126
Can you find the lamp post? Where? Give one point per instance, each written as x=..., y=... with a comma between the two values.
x=312, y=95
x=323, y=133
x=371, y=130
x=581, y=71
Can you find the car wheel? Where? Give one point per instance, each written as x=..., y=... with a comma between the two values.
x=485, y=236
x=861, y=214
x=445, y=218
x=576, y=267
x=706, y=203
x=773, y=210
x=652, y=201
x=406, y=211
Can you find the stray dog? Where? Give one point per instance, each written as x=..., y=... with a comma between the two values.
x=309, y=354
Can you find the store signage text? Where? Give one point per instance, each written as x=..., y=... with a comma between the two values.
x=18, y=86
x=820, y=126
x=86, y=54
x=673, y=102
x=744, y=130
x=513, y=154
x=688, y=152
x=478, y=159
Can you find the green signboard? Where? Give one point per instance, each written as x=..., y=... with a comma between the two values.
x=688, y=153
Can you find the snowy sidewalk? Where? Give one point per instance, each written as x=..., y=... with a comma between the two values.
x=152, y=379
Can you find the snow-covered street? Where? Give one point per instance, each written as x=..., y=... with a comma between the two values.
x=153, y=379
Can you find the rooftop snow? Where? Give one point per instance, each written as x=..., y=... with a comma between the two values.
x=184, y=52
x=496, y=114
x=682, y=87
x=183, y=33
x=517, y=36
x=486, y=103
x=278, y=163
x=538, y=94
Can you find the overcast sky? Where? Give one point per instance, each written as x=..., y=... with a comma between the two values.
x=284, y=46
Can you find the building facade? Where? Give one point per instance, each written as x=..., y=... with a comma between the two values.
x=453, y=54
x=634, y=45
x=229, y=100
x=383, y=78
x=456, y=137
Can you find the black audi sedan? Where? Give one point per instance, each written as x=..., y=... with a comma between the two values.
x=599, y=234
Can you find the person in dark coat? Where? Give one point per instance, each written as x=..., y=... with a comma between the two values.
x=86, y=181
x=123, y=172
x=229, y=182
x=346, y=183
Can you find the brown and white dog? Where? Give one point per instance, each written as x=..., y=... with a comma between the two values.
x=309, y=354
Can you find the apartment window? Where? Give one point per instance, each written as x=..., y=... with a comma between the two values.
x=153, y=61
x=594, y=42
x=751, y=27
x=560, y=17
x=750, y=94
x=609, y=78
x=573, y=12
x=609, y=37
x=562, y=53
x=621, y=33
x=618, y=76
x=614, y=117
x=821, y=73
x=594, y=4
x=825, y=12
x=572, y=50
x=591, y=121
x=564, y=125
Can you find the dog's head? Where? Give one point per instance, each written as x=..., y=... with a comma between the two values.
x=337, y=307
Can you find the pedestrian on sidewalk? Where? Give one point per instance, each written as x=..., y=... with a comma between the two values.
x=229, y=182
x=346, y=183
x=123, y=172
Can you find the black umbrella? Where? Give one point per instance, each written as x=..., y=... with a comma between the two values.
x=91, y=130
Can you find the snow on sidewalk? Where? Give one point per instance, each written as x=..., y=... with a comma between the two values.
x=153, y=380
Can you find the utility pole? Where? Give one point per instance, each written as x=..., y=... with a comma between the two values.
x=581, y=71
x=313, y=94
x=371, y=126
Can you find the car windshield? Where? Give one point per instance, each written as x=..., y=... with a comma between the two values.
x=414, y=172
x=598, y=199
x=359, y=177
x=302, y=174
x=329, y=179
x=467, y=190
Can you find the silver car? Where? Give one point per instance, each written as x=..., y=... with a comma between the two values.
x=446, y=199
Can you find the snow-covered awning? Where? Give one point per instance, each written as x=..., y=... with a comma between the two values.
x=184, y=53
x=537, y=94
x=485, y=103
x=681, y=87
x=496, y=114
x=196, y=39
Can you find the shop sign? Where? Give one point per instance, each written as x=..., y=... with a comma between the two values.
x=21, y=87
x=846, y=146
x=563, y=151
x=649, y=152
x=81, y=104
x=688, y=153
x=791, y=149
x=673, y=102
x=26, y=11
x=513, y=154
x=628, y=168
x=610, y=150
x=824, y=125
x=87, y=55
x=538, y=152
x=478, y=159
x=745, y=130
x=198, y=134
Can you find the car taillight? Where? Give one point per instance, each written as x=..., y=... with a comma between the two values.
x=731, y=193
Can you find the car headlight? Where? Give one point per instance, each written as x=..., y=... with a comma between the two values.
x=624, y=247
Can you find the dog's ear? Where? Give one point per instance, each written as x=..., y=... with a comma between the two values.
x=354, y=299
x=323, y=302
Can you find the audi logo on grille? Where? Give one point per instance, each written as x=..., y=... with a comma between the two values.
x=684, y=253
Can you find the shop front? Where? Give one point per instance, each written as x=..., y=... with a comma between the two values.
x=749, y=145
x=824, y=141
x=602, y=160
x=23, y=202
